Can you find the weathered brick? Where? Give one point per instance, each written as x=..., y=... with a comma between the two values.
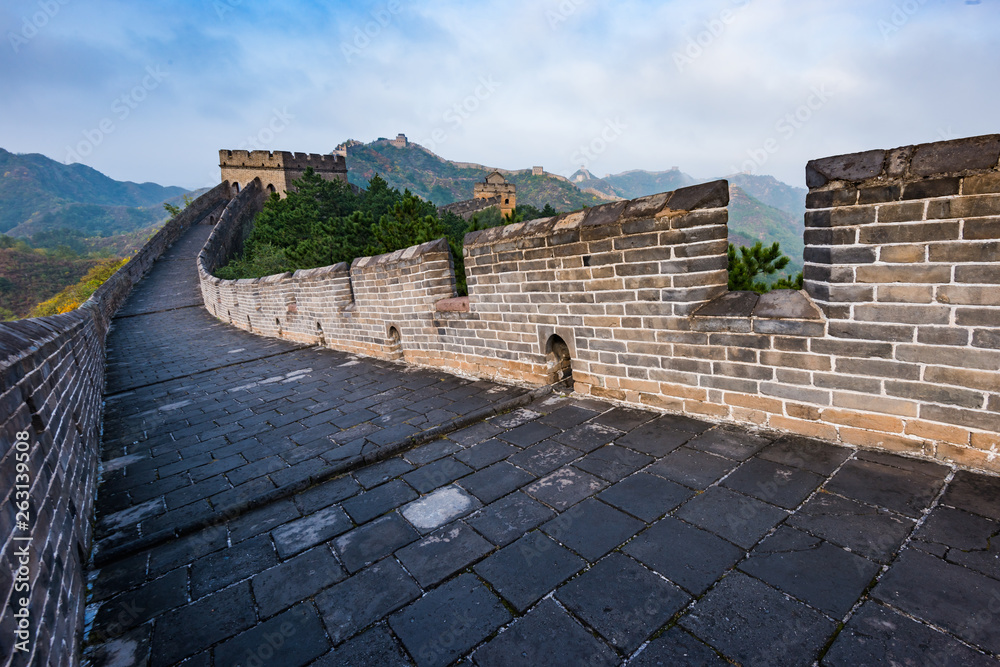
x=878, y=368
x=868, y=403
x=892, y=443
x=935, y=394
x=938, y=432
x=964, y=251
x=977, y=419
x=799, y=411
x=836, y=236
x=977, y=317
x=967, y=456
x=903, y=212
x=905, y=294
x=879, y=194
x=903, y=254
x=810, y=362
x=904, y=314
x=853, y=255
x=863, y=420
x=988, y=228
x=965, y=207
x=812, y=429
x=988, y=338
x=983, y=274
x=870, y=331
x=961, y=377
x=909, y=233
x=943, y=335
x=935, y=187
x=981, y=184
x=904, y=274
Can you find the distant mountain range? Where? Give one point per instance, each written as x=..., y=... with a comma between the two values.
x=38, y=194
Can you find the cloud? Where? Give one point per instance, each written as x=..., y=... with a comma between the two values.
x=709, y=87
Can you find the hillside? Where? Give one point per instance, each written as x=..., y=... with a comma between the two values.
x=444, y=182
x=29, y=276
x=38, y=194
x=633, y=184
x=751, y=220
x=774, y=193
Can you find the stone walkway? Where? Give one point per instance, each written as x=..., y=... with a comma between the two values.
x=566, y=532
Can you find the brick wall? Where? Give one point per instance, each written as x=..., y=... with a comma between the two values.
x=51, y=385
x=276, y=170
x=894, y=344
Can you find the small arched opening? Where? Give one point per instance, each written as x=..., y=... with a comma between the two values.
x=558, y=360
x=270, y=189
x=236, y=186
x=394, y=343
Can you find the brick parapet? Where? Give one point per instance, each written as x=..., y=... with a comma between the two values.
x=51, y=385
x=894, y=344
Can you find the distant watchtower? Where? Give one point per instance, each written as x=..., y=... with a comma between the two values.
x=276, y=170
x=496, y=185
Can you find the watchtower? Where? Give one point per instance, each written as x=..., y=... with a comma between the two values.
x=276, y=170
x=495, y=185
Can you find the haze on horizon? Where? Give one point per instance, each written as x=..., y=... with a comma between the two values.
x=146, y=93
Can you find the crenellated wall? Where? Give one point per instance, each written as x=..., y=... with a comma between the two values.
x=278, y=169
x=894, y=344
x=51, y=386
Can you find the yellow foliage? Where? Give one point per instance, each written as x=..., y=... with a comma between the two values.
x=74, y=295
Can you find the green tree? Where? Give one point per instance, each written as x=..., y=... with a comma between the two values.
x=749, y=263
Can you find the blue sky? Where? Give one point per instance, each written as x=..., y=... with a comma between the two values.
x=150, y=91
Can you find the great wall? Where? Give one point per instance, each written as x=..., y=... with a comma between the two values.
x=893, y=345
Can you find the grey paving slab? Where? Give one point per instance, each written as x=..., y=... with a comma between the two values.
x=528, y=569
x=677, y=647
x=373, y=647
x=565, y=487
x=296, y=579
x=507, y=519
x=692, y=468
x=905, y=491
x=740, y=519
x=645, y=496
x=370, y=542
x=622, y=600
x=592, y=528
x=292, y=639
x=870, y=531
x=774, y=483
x=443, y=553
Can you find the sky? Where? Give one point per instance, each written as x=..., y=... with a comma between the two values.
x=147, y=91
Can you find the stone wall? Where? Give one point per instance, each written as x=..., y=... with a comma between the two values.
x=51, y=386
x=276, y=170
x=894, y=344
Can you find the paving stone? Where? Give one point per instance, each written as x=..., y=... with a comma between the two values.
x=949, y=596
x=186, y=549
x=645, y=496
x=186, y=631
x=567, y=417
x=814, y=571
x=546, y=637
x=373, y=647
x=256, y=469
x=216, y=571
x=528, y=434
x=613, y=463
x=525, y=571
x=730, y=442
x=495, y=481
x=929, y=468
x=486, y=453
x=132, y=648
x=379, y=473
x=326, y=493
x=624, y=419
x=773, y=483
x=903, y=491
x=592, y=529
x=974, y=493
x=655, y=438
x=449, y=621
x=443, y=553
x=684, y=554
x=878, y=635
x=292, y=639
x=378, y=501
x=354, y=418
x=439, y=508
x=588, y=437
x=986, y=561
x=111, y=579
x=874, y=533
x=359, y=601
x=738, y=518
x=565, y=487
x=692, y=468
x=513, y=419
x=958, y=529
x=622, y=600
x=436, y=474
x=475, y=434
x=432, y=451
x=311, y=530
x=507, y=519
x=262, y=520
x=374, y=540
x=296, y=579
x=135, y=607
x=544, y=457
x=676, y=647
x=753, y=624
x=813, y=455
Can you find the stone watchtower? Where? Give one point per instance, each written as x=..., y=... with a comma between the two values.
x=497, y=186
x=276, y=170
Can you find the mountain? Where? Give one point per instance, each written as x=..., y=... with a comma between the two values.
x=39, y=194
x=444, y=182
x=772, y=192
x=751, y=220
x=635, y=183
x=29, y=276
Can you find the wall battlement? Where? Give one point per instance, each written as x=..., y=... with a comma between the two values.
x=277, y=169
x=894, y=344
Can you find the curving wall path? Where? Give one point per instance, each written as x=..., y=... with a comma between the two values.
x=894, y=344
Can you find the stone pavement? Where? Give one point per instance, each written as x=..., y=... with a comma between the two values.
x=566, y=532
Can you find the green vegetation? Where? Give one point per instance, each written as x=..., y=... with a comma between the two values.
x=325, y=222
x=748, y=263
x=74, y=295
